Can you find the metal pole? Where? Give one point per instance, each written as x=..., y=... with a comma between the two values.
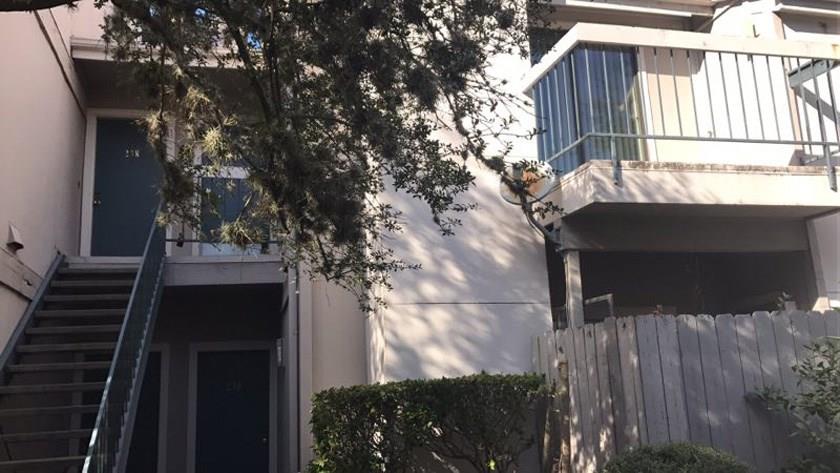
x=725, y=95
x=751, y=58
x=613, y=155
x=773, y=98
x=832, y=175
x=676, y=92
x=575, y=101
x=691, y=84
x=659, y=90
x=741, y=96
x=804, y=108
x=836, y=126
x=709, y=91
x=566, y=101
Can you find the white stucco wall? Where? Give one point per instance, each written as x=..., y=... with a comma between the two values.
x=477, y=301
x=481, y=295
x=42, y=136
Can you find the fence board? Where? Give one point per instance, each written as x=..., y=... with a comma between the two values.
x=595, y=402
x=606, y=437
x=801, y=334
x=575, y=439
x=635, y=431
x=585, y=404
x=655, y=379
x=617, y=398
x=759, y=423
x=695, y=396
x=730, y=360
x=672, y=379
x=832, y=323
x=715, y=390
x=553, y=360
x=771, y=377
x=651, y=374
x=816, y=324
x=783, y=331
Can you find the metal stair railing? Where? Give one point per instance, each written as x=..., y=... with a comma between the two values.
x=111, y=437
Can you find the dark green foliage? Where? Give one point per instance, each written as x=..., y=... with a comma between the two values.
x=484, y=420
x=816, y=410
x=675, y=458
x=324, y=102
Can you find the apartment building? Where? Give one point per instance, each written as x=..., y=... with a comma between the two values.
x=697, y=144
x=694, y=143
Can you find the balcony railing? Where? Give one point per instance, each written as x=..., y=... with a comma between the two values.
x=623, y=93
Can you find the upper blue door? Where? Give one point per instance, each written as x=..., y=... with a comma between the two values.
x=126, y=188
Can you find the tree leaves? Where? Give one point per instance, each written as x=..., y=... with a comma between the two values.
x=323, y=102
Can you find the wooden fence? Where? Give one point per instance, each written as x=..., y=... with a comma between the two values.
x=656, y=379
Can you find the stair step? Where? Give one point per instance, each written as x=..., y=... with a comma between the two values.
x=68, y=313
x=47, y=411
x=74, y=329
x=93, y=283
x=41, y=367
x=53, y=347
x=51, y=388
x=47, y=435
x=99, y=269
x=85, y=297
x=40, y=463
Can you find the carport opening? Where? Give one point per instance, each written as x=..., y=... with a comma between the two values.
x=635, y=283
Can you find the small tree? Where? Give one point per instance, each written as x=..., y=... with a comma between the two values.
x=816, y=410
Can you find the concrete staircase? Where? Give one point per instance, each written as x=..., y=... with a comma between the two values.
x=54, y=370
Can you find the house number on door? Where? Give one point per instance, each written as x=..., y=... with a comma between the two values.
x=233, y=386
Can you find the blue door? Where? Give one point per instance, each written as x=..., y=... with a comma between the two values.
x=126, y=188
x=232, y=422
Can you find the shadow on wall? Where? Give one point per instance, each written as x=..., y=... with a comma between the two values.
x=479, y=297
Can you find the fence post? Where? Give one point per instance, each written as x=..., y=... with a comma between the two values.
x=574, y=289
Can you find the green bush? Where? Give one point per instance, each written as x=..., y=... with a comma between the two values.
x=816, y=410
x=484, y=420
x=675, y=458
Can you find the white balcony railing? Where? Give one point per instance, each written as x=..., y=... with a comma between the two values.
x=626, y=93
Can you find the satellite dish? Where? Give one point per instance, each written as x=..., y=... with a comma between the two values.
x=537, y=177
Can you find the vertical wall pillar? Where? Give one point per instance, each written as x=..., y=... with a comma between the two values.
x=574, y=289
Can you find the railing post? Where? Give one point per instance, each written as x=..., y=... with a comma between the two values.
x=616, y=163
x=829, y=164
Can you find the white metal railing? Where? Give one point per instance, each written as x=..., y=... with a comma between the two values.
x=619, y=93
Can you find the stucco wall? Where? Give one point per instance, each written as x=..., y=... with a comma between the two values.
x=478, y=299
x=481, y=294
x=42, y=136
x=338, y=338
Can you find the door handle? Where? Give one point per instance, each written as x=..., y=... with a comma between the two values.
x=97, y=199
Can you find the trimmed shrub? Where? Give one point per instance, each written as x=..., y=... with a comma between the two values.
x=484, y=420
x=675, y=458
x=816, y=410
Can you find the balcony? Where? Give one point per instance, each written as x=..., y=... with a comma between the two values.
x=690, y=108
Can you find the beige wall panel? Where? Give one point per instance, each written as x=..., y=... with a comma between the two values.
x=338, y=338
x=42, y=131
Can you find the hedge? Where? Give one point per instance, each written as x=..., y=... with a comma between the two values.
x=484, y=420
x=675, y=458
